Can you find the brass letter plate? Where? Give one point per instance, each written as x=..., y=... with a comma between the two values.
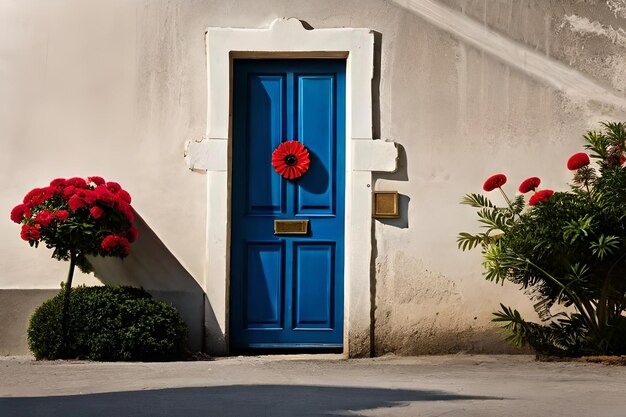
x=291, y=227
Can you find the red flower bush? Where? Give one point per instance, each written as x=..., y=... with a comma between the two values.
x=540, y=197
x=291, y=159
x=493, y=182
x=563, y=249
x=577, y=161
x=75, y=216
x=529, y=184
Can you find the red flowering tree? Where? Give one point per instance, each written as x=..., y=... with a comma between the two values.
x=566, y=248
x=76, y=218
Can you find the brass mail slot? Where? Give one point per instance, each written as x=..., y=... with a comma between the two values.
x=291, y=227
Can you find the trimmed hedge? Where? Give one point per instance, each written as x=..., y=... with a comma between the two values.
x=109, y=324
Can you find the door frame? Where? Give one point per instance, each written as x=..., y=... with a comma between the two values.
x=288, y=38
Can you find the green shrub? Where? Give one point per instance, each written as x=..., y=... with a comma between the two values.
x=108, y=324
x=563, y=249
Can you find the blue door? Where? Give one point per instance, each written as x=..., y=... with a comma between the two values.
x=286, y=290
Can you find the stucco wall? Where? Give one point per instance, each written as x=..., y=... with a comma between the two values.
x=115, y=88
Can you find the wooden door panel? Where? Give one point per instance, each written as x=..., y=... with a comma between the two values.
x=287, y=290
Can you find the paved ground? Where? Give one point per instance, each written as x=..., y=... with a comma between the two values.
x=327, y=385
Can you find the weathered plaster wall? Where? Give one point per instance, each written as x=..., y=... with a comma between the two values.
x=462, y=115
x=17, y=307
x=115, y=88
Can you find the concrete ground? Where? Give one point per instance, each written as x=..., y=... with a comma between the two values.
x=307, y=385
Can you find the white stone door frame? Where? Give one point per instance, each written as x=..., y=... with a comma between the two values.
x=287, y=38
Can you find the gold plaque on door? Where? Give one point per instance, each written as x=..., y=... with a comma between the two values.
x=291, y=227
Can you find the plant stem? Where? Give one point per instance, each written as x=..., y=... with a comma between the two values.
x=505, y=197
x=65, y=316
x=603, y=307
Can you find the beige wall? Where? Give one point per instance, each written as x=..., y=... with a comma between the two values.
x=115, y=88
x=17, y=307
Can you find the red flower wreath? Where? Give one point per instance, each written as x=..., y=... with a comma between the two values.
x=291, y=159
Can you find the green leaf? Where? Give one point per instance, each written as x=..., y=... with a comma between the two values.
x=467, y=241
x=605, y=246
x=577, y=229
x=477, y=200
x=514, y=324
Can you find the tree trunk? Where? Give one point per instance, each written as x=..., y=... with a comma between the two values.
x=65, y=316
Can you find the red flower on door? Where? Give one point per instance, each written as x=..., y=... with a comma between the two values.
x=291, y=159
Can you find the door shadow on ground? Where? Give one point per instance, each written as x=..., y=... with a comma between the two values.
x=225, y=401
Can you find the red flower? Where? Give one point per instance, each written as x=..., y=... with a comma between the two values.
x=75, y=202
x=124, y=196
x=96, y=180
x=291, y=159
x=62, y=215
x=44, y=217
x=96, y=212
x=126, y=210
x=493, y=182
x=113, y=186
x=125, y=244
x=577, y=161
x=103, y=195
x=540, y=197
x=68, y=191
x=529, y=184
x=88, y=196
x=37, y=196
x=30, y=232
x=19, y=212
x=29, y=196
x=56, y=182
x=132, y=234
x=76, y=182
x=110, y=242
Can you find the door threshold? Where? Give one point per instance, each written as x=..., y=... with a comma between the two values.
x=270, y=349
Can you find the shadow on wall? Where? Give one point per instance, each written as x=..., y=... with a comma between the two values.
x=401, y=172
x=225, y=401
x=152, y=266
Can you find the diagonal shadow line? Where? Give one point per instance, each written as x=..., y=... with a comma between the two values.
x=225, y=401
x=152, y=266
